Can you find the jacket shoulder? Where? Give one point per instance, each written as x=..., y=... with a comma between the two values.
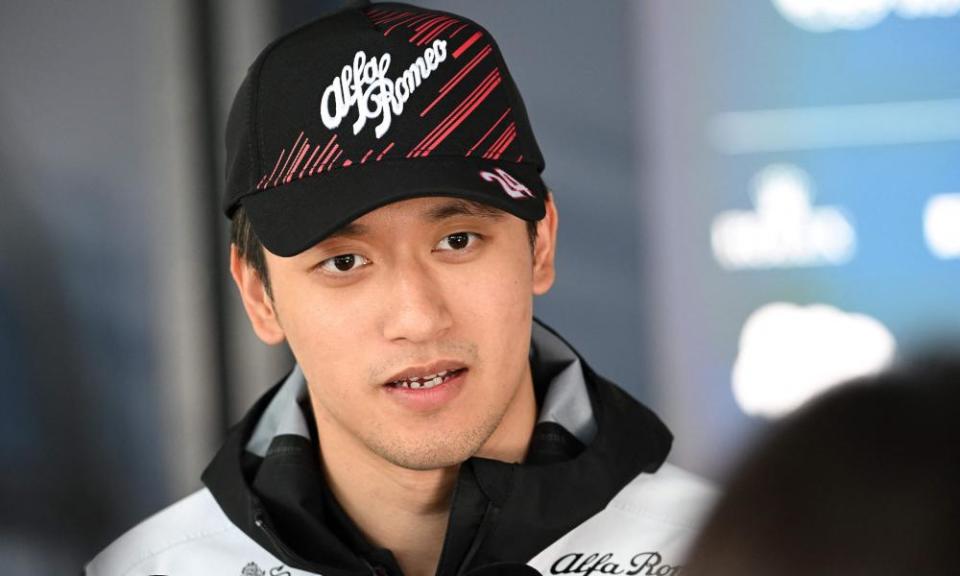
x=646, y=528
x=672, y=496
x=188, y=522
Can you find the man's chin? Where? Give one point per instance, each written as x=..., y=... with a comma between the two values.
x=424, y=458
x=432, y=454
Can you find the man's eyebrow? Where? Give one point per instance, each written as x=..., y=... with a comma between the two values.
x=453, y=208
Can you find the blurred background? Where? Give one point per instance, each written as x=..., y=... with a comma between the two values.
x=757, y=199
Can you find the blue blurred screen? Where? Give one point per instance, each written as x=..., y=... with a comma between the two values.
x=801, y=183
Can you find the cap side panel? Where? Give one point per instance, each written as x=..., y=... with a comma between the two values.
x=527, y=143
x=256, y=143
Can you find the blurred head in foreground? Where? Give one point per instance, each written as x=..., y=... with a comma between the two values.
x=865, y=480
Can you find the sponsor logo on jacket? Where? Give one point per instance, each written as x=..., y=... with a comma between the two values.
x=642, y=564
x=252, y=569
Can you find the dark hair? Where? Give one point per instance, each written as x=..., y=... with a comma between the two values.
x=865, y=480
x=250, y=248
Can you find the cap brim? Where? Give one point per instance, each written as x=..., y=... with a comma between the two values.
x=292, y=217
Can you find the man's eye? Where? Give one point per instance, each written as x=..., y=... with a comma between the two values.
x=343, y=263
x=457, y=241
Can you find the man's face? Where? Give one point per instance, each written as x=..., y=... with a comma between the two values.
x=412, y=326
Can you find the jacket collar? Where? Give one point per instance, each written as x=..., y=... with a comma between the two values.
x=591, y=439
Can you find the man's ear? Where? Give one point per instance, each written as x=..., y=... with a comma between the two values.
x=545, y=249
x=256, y=301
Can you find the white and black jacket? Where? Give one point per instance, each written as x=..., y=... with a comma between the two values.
x=593, y=497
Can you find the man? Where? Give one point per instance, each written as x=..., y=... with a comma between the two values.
x=391, y=226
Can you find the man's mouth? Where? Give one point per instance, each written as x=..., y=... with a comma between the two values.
x=425, y=381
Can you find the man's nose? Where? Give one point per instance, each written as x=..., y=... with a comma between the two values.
x=415, y=307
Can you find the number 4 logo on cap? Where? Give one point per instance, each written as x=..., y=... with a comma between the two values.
x=510, y=185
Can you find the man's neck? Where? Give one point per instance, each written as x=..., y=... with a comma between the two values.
x=405, y=510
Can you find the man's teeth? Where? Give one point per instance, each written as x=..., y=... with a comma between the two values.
x=420, y=383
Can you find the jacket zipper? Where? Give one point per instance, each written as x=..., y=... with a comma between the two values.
x=260, y=523
x=486, y=525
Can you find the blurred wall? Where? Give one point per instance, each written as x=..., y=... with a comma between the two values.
x=80, y=165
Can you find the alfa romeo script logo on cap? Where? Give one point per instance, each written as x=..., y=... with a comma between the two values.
x=364, y=84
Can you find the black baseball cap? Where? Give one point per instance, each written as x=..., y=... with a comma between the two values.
x=371, y=105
